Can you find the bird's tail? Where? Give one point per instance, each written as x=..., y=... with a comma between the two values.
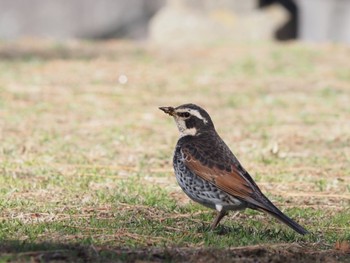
x=276, y=213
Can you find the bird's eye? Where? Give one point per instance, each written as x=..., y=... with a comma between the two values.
x=184, y=114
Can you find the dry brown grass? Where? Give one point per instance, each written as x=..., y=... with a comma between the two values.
x=71, y=133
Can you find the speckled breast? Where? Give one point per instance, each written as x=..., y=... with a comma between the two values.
x=200, y=190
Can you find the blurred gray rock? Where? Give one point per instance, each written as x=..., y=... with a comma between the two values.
x=196, y=21
x=77, y=18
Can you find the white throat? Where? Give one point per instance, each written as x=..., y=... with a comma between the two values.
x=184, y=131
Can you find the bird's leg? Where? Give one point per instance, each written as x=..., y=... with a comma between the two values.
x=218, y=218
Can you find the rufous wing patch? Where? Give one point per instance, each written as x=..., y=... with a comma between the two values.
x=232, y=182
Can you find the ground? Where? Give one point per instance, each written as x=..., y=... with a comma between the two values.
x=86, y=156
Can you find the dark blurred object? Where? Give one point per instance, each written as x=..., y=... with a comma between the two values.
x=314, y=20
x=290, y=29
x=61, y=19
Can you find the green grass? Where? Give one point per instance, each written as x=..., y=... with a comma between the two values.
x=149, y=214
x=123, y=210
x=85, y=162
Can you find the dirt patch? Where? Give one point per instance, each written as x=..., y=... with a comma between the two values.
x=273, y=253
x=276, y=253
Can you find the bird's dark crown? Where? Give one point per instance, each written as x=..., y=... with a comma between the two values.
x=192, y=109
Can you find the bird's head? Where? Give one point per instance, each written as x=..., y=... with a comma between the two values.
x=190, y=119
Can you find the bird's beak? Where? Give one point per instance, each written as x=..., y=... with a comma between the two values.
x=168, y=110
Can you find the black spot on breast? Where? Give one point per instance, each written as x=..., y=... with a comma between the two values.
x=220, y=166
x=196, y=155
x=207, y=153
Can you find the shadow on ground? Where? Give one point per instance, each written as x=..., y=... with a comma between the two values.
x=21, y=251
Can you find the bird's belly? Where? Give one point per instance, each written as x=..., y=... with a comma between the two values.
x=203, y=192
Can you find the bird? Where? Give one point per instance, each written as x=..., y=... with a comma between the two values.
x=210, y=174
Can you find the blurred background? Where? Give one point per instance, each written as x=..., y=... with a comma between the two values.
x=177, y=21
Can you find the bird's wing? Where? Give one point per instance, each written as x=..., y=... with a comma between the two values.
x=235, y=181
x=231, y=181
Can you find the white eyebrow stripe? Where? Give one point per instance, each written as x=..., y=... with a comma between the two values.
x=194, y=113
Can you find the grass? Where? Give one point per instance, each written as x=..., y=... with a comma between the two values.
x=86, y=169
